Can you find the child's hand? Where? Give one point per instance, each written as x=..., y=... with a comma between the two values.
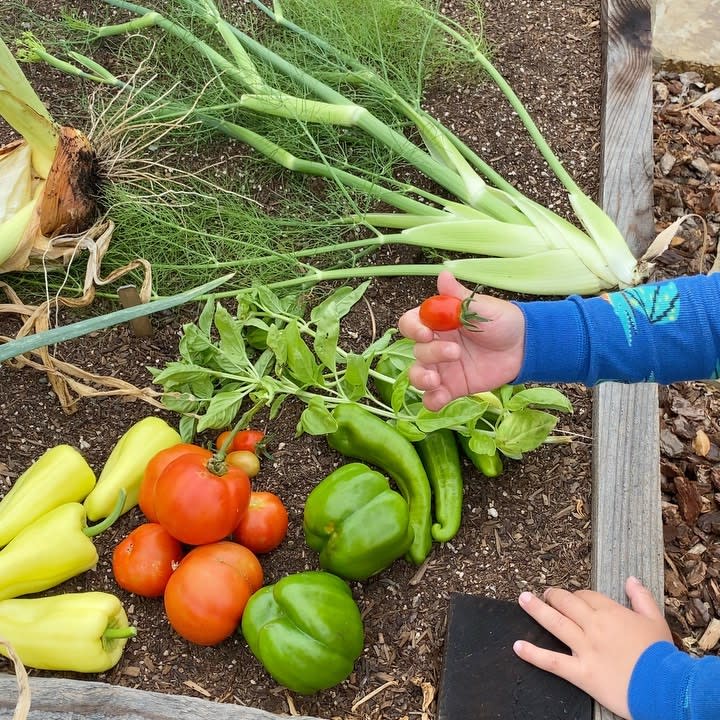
x=461, y=362
x=605, y=637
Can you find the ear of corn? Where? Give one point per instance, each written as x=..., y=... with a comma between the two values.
x=44, y=176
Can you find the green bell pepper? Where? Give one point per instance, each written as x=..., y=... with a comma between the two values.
x=60, y=475
x=125, y=468
x=364, y=436
x=357, y=523
x=79, y=632
x=306, y=630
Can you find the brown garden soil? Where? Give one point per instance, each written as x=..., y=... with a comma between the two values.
x=525, y=530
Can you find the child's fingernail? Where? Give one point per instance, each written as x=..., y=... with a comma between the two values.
x=518, y=646
x=525, y=598
x=634, y=580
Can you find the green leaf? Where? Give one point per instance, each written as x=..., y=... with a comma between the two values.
x=400, y=354
x=300, y=360
x=263, y=363
x=380, y=344
x=276, y=405
x=399, y=391
x=354, y=381
x=232, y=343
x=187, y=428
x=180, y=373
x=277, y=342
x=269, y=301
x=195, y=346
x=523, y=431
x=482, y=443
x=542, y=397
x=339, y=303
x=326, y=339
x=203, y=387
x=206, y=317
x=222, y=410
x=316, y=419
x=505, y=392
x=459, y=412
x=409, y=430
x=182, y=403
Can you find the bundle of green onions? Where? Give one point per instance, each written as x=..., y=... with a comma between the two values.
x=514, y=243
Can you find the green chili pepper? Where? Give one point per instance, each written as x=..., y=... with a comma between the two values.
x=52, y=549
x=490, y=465
x=125, y=468
x=366, y=437
x=441, y=459
x=79, y=632
x=60, y=475
x=356, y=522
x=439, y=454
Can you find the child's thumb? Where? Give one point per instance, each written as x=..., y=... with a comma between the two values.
x=642, y=600
x=448, y=285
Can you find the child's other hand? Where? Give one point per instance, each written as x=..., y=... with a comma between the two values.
x=461, y=362
x=605, y=637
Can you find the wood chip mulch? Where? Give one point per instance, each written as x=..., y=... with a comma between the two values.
x=687, y=183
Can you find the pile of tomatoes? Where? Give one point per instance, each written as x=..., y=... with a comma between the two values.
x=205, y=528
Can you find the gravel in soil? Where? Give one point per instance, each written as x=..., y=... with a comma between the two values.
x=525, y=530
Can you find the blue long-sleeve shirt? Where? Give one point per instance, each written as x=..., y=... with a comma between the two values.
x=664, y=332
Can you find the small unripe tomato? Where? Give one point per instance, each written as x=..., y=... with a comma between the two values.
x=246, y=460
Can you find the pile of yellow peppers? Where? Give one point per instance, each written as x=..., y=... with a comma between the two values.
x=45, y=540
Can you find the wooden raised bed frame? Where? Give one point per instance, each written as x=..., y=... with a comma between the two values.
x=626, y=515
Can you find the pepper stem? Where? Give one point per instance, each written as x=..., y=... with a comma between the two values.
x=119, y=633
x=92, y=531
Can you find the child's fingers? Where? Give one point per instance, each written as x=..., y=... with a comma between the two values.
x=448, y=285
x=437, y=351
x=410, y=326
x=435, y=400
x=559, y=664
x=424, y=378
x=571, y=605
x=642, y=600
x=551, y=619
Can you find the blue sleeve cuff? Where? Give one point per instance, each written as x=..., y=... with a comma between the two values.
x=667, y=684
x=663, y=332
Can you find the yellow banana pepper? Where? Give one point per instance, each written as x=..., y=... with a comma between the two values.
x=54, y=548
x=61, y=475
x=125, y=467
x=79, y=632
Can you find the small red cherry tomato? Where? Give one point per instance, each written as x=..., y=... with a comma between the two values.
x=143, y=562
x=445, y=312
x=264, y=526
x=251, y=440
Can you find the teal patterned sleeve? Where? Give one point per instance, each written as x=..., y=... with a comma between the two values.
x=663, y=332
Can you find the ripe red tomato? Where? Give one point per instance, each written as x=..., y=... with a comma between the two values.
x=251, y=440
x=445, y=312
x=206, y=597
x=155, y=467
x=238, y=557
x=143, y=562
x=245, y=460
x=195, y=505
x=264, y=526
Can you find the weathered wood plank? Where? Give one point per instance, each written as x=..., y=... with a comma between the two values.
x=58, y=699
x=627, y=523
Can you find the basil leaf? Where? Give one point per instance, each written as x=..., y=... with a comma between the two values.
x=232, y=343
x=354, y=381
x=221, y=410
x=523, y=431
x=541, y=397
x=206, y=317
x=409, y=430
x=178, y=373
x=300, y=360
x=316, y=419
x=455, y=414
x=482, y=443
